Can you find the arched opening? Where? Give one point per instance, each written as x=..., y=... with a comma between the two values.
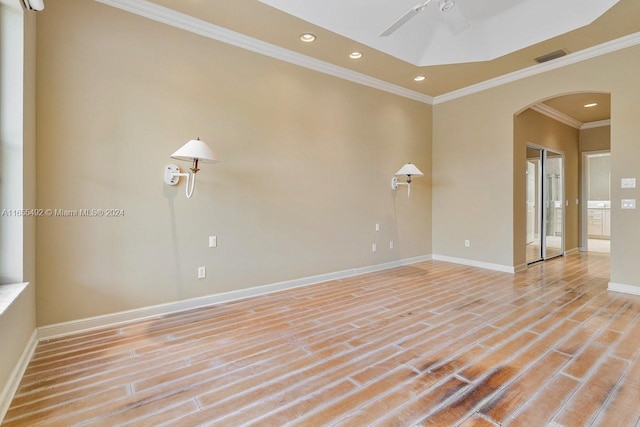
x=558, y=210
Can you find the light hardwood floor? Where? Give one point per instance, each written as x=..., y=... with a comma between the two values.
x=432, y=344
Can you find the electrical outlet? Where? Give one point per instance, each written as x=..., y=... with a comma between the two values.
x=377, y=227
x=390, y=244
x=467, y=243
x=202, y=272
x=213, y=241
x=374, y=248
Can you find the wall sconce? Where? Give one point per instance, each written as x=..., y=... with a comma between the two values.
x=36, y=5
x=193, y=151
x=409, y=170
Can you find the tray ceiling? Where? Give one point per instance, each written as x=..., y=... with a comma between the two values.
x=258, y=20
x=496, y=27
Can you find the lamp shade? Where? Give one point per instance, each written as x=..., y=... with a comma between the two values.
x=35, y=4
x=409, y=169
x=195, y=149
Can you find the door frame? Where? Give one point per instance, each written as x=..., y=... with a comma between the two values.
x=584, y=194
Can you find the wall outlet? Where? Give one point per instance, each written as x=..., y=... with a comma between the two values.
x=202, y=272
x=390, y=244
x=213, y=242
x=467, y=244
x=374, y=248
x=377, y=227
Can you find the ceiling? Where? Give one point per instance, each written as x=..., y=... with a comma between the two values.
x=574, y=106
x=493, y=27
x=259, y=20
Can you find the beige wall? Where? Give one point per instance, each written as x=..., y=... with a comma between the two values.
x=306, y=165
x=474, y=194
x=535, y=128
x=595, y=139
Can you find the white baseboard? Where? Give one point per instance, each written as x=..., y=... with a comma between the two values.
x=10, y=388
x=571, y=251
x=521, y=267
x=625, y=289
x=473, y=263
x=114, y=319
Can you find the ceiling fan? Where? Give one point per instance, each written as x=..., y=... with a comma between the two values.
x=449, y=10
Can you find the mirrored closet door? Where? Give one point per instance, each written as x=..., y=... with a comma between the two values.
x=545, y=204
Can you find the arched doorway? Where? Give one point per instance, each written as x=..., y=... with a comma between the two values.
x=557, y=204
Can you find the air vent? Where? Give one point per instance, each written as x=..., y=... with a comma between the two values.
x=550, y=56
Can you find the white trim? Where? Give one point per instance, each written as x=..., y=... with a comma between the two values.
x=592, y=52
x=521, y=267
x=584, y=208
x=392, y=264
x=474, y=263
x=189, y=23
x=9, y=293
x=598, y=124
x=114, y=319
x=557, y=115
x=571, y=251
x=625, y=289
x=10, y=388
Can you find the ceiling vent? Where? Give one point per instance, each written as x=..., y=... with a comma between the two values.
x=550, y=56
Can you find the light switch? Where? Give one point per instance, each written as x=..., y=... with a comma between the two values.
x=202, y=272
x=628, y=183
x=213, y=241
x=628, y=203
x=377, y=227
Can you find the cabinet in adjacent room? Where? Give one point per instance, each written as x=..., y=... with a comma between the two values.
x=599, y=223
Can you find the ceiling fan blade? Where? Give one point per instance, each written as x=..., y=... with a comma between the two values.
x=399, y=23
x=404, y=19
x=454, y=18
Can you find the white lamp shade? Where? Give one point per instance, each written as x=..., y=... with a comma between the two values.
x=35, y=4
x=409, y=169
x=195, y=149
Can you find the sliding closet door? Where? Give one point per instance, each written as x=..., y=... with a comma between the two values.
x=553, y=196
x=534, y=213
x=545, y=204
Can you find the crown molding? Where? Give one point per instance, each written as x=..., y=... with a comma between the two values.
x=583, y=55
x=598, y=124
x=206, y=29
x=557, y=115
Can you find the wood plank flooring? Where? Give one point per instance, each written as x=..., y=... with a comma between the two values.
x=433, y=344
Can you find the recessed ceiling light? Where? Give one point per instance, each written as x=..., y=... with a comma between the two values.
x=419, y=78
x=307, y=37
x=593, y=104
x=355, y=55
